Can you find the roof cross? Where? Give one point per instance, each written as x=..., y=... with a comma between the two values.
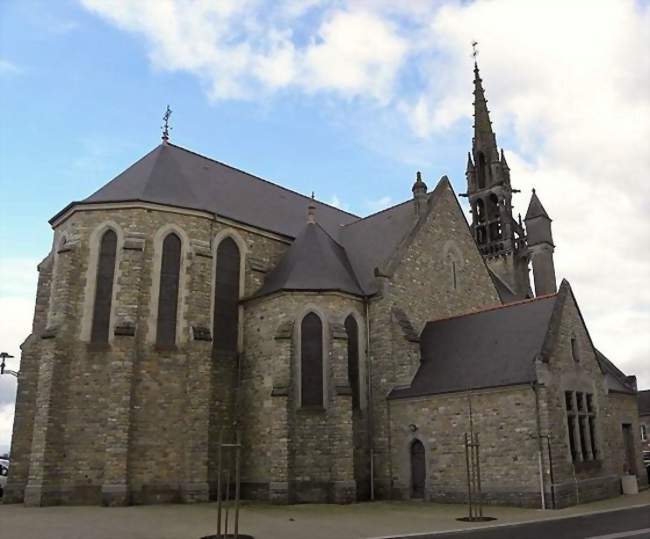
x=165, y=127
x=474, y=50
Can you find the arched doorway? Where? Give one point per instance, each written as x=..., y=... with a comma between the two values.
x=418, y=469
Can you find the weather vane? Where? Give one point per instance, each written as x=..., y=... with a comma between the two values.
x=165, y=127
x=474, y=50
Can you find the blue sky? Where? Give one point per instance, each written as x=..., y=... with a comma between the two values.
x=348, y=99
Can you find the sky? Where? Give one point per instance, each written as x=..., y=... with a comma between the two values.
x=347, y=99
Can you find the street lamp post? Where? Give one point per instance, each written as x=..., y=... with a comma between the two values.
x=3, y=370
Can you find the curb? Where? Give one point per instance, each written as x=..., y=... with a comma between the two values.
x=433, y=534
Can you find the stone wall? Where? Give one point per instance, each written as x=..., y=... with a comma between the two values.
x=126, y=421
x=298, y=454
x=597, y=476
x=504, y=420
x=417, y=288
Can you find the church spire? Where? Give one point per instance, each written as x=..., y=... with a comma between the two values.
x=484, y=140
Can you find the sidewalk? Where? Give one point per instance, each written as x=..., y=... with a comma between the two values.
x=263, y=521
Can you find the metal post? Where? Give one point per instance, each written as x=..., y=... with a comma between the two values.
x=227, y=504
x=237, y=481
x=478, y=478
x=550, y=466
x=219, y=484
x=469, y=478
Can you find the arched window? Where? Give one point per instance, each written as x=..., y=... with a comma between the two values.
x=104, y=287
x=482, y=172
x=225, y=327
x=170, y=268
x=480, y=210
x=311, y=360
x=352, y=329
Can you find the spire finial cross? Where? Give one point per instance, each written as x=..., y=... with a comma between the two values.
x=165, y=127
x=474, y=50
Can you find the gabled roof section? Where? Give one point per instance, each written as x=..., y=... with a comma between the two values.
x=535, y=208
x=174, y=176
x=506, y=294
x=491, y=348
x=371, y=241
x=617, y=381
x=314, y=262
x=644, y=402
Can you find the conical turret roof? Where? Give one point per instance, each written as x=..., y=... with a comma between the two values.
x=535, y=208
x=315, y=261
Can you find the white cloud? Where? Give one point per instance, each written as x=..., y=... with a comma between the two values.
x=338, y=203
x=18, y=278
x=378, y=204
x=8, y=68
x=6, y=426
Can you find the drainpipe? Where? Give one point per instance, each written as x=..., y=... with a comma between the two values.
x=540, y=446
x=371, y=437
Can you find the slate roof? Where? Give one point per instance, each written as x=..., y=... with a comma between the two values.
x=644, y=402
x=616, y=379
x=174, y=176
x=535, y=208
x=315, y=262
x=369, y=242
x=491, y=348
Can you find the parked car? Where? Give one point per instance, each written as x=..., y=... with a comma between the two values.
x=646, y=463
x=4, y=472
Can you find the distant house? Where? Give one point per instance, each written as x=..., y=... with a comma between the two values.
x=644, y=418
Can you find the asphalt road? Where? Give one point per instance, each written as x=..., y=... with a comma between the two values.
x=622, y=524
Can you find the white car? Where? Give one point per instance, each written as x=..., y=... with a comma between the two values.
x=4, y=471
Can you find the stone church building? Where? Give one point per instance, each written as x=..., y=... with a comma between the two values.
x=187, y=298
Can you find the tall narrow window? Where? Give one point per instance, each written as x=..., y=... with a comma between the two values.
x=104, y=287
x=170, y=268
x=225, y=329
x=352, y=329
x=481, y=170
x=574, y=349
x=311, y=360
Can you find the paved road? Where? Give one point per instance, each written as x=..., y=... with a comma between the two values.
x=622, y=524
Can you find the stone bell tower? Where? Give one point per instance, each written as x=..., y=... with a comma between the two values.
x=500, y=239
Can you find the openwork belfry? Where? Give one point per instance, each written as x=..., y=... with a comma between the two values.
x=187, y=301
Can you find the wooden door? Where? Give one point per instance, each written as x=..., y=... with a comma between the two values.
x=418, y=469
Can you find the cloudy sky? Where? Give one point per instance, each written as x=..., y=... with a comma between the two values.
x=345, y=98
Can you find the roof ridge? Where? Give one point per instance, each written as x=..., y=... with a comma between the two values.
x=381, y=211
x=262, y=179
x=348, y=263
x=494, y=308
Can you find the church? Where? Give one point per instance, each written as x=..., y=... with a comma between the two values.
x=187, y=300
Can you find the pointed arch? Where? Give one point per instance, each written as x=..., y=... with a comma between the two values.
x=482, y=170
x=97, y=277
x=453, y=259
x=352, y=330
x=99, y=332
x=418, y=468
x=311, y=360
x=225, y=319
x=170, y=268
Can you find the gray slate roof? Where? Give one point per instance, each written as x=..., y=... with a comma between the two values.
x=535, y=208
x=644, y=402
x=491, y=348
x=616, y=379
x=175, y=176
x=369, y=242
x=315, y=262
